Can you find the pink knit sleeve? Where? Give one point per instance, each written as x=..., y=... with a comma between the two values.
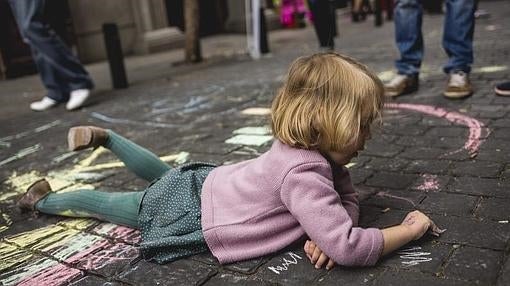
x=308, y=193
x=348, y=195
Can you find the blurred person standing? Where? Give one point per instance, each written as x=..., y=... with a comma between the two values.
x=61, y=72
x=324, y=22
x=458, y=31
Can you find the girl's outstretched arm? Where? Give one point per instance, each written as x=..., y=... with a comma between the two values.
x=413, y=227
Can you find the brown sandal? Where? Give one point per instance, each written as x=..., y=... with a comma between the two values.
x=82, y=137
x=35, y=192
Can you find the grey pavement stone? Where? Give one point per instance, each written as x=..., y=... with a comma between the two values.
x=492, y=114
x=433, y=121
x=477, y=168
x=181, y=272
x=501, y=122
x=450, y=143
x=383, y=164
x=368, y=214
x=506, y=173
x=93, y=281
x=416, y=141
x=396, y=199
x=206, y=258
x=448, y=132
x=383, y=150
x=389, y=217
x=221, y=279
x=475, y=264
x=502, y=132
x=423, y=153
x=248, y=266
x=359, y=176
x=449, y=204
x=428, y=166
x=481, y=186
x=402, y=277
x=492, y=208
x=504, y=279
x=460, y=230
x=409, y=130
x=391, y=180
x=350, y=276
x=360, y=161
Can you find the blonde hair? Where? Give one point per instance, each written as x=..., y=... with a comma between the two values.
x=325, y=102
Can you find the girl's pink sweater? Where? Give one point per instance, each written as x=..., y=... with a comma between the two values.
x=260, y=206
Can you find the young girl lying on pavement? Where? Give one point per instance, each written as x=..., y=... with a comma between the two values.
x=321, y=118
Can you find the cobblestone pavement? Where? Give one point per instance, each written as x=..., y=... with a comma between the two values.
x=447, y=158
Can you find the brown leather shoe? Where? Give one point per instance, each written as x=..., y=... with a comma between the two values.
x=34, y=193
x=400, y=85
x=82, y=137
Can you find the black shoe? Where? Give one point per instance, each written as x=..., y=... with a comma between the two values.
x=503, y=89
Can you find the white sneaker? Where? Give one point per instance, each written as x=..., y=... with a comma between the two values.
x=77, y=98
x=458, y=85
x=44, y=104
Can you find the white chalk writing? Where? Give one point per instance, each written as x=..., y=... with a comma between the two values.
x=285, y=264
x=413, y=256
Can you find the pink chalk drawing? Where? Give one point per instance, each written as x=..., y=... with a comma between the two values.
x=430, y=183
x=94, y=257
x=477, y=130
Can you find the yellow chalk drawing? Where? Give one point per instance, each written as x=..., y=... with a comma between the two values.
x=490, y=69
x=30, y=238
x=64, y=239
x=350, y=165
x=72, y=243
x=11, y=255
x=66, y=180
x=26, y=269
x=79, y=223
x=61, y=241
x=7, y=222
x=18, y=258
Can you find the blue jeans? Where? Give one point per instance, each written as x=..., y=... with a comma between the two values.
x=60, y=71
x=458, y=31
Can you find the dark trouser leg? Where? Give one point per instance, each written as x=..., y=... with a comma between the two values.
x=459, y=26
x=324, y=22
x=408, y=35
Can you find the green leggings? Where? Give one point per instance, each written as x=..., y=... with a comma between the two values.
x=116, y=207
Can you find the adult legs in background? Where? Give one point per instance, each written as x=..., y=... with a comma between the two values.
x=324, y=22
x=60, y=71
x=459, y=26
x=408, y=36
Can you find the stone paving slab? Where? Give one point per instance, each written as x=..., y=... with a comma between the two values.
x=418, y=159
